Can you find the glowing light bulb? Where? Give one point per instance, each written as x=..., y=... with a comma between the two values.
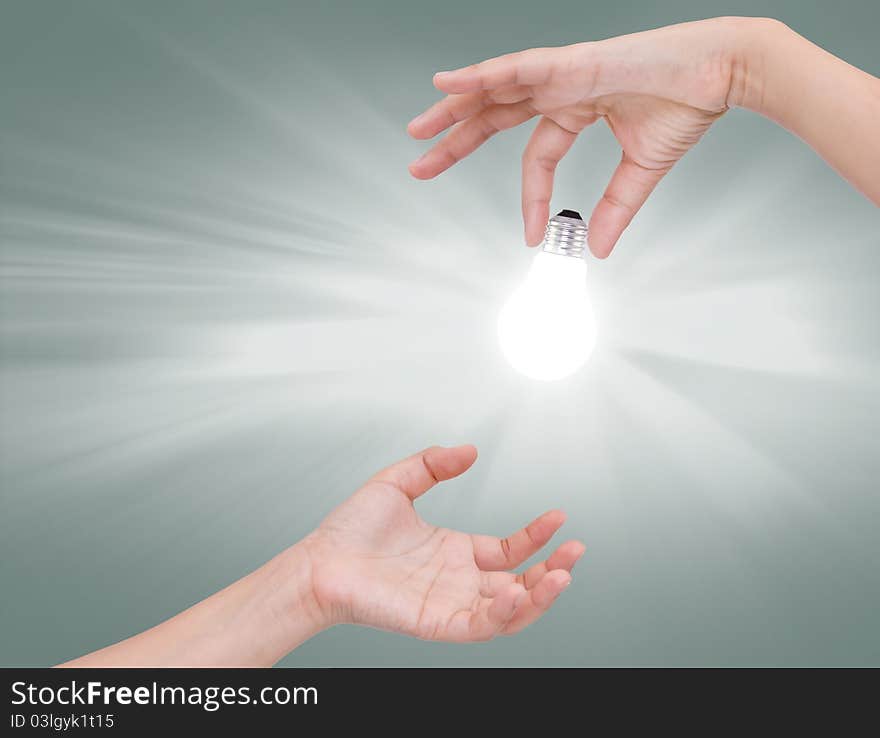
x=547, y=329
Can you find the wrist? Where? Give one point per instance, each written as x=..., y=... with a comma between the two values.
x=755, y=44
x=290, y=612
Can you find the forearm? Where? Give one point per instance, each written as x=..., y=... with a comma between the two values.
x=831, y=105
x=253, y=622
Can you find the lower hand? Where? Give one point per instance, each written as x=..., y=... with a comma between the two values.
x=375, y=562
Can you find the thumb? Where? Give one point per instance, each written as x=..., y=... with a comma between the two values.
x=417, y=474
x=627, y=191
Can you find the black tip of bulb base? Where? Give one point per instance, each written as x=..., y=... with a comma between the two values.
x=569, y=214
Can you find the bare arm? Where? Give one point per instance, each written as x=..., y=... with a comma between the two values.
x=252, y=622
x=830, y=104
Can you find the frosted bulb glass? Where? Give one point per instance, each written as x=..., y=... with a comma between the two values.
x=547, y=329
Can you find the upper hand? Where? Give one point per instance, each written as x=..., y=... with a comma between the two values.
x=658, y=91
x=374, y=561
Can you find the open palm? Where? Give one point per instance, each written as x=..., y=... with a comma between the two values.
x=377, y=563
x=658, y=91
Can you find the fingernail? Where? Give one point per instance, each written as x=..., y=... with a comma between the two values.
x=415, y=121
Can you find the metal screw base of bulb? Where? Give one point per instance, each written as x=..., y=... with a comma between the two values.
x=566, y=235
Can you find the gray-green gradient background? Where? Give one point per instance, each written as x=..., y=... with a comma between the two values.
x=225, y=303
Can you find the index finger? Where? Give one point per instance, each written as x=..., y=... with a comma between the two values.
x=454, y=109
x=530, y=67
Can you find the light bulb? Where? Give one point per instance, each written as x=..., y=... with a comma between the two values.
x=546, y=328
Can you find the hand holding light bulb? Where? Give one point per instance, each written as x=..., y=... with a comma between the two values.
x=658, y=102
x=659, y=91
